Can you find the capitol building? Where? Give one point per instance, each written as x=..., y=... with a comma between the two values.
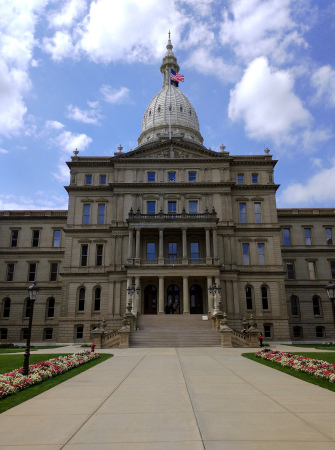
x=170, y=220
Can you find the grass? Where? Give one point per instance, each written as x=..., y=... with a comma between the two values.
x=22, y=349
x=15, y=361
x=316, y=346
x=329, y=357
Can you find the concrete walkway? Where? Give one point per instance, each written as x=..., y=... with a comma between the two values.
x=175, y=399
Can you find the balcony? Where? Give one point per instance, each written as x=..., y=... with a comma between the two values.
x=161, y=216
x=172, y=261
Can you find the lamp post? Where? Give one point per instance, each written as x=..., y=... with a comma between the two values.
x=331, y=295
x=33, y=294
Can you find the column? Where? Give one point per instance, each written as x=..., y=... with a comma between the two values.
x=161, y=247
x=184, y=241
x=215, y=244
x=208, y=247
x=138, y=297
x=186, y=301
x=131, y=244
x=138, y=245
x=161, y=295
x=210, y=296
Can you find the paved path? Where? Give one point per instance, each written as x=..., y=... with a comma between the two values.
x=175, y=399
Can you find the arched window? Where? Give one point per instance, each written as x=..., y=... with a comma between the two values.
x=51, y=307
x=27, y=307
x=6, y=307
x=294, y=305
x=97, y=299
x=317, y=305
x=297, y=332
x=3, y=333
x=320, y=332
x=81, y=299
x=248, y=296
x=265, y=298
x=48, y=333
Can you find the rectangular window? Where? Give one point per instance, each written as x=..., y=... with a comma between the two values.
x=248, y=297
x=267, y=331
x=287, y=236
x=151, y=208
x=254, y=177
x=48, y=333
x=243, y=213
x=240, y=178
x=151, y=176
x=79, y=332
x=97, y=299
x=308, y=236
x=103, y=179
x=172, y=207
x=246, y=259
x=32, y=272
x=311, y=270
x=3, y=333
x=14, y=238
x=193, y=207
x=172, y=250
x=87, y=214
x=290, y=270
x=99, y=254
x=84, y=254
x=36, y=238
x=56, y=238
x=27, y=309
x=53, y=271
x=261, y=259
x=194, y=252
x=316, y=306
x=192, y=176
x=88, y=179
x=172, y=176
x=332, y=269
x=10, y=272
x=329, y=236
x=151, y=250
x=101, y=214
x=257, y=207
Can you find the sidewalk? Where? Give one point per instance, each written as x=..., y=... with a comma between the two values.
x=185, y=398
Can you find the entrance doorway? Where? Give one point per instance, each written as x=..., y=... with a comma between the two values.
x=196, y=300
x=173, y=299
x=150, y=299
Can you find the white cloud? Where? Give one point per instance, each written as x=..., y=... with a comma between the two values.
x=41, y=201
x=60, y=46
x=3, y=151
x=265, y=101
x=53, y=124
x=91, y=116
x=71, y=10
x=323, y=80
x=68, y=141
x=114, y=95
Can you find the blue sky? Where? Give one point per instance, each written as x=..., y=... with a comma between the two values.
x=80, y=74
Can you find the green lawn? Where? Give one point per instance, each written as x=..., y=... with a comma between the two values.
x=32, y=349
x=329, y=357
x=316, y=346
x=10, y=362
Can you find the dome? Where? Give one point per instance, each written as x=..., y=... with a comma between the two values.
x=170, y=107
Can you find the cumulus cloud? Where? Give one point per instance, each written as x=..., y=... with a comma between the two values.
x=53, y=124
x=3, y=151
x=68, y=141
x=60, y=46
x=265, y=101
x=41, y=200
x=111, y=95
x=89, y=116
x=323, y=81
x=70, y=11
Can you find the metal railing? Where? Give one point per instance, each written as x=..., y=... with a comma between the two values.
x=173, y=215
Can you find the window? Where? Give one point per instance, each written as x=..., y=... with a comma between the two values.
x=254, y=177
x=99, y=254
x=87, y=214
x=84, y=253
x=311, y=270
x=79, y=331
x=151, y=208
x=248, y=297
x=51, y=307
x=287, y=236
x=320, y=332
x=81, y=299
x=240, y=178
x=103, y=179
x=48, y=332
x=192, y=176
x=245, y=248
x=101, y=214
x=88, y=179
x=27, y=308
x=97, y=299
x=151, y=176
x=32, y=272
x=6, y=307
x=172, y=176
x=24, y=334
x=261, y=259
x=151, y=250
x=3, y=333
x=294, y=305
x=329, y=236
x=53, y=271
x=265, y=299
x=243, y=213
x=290, y=270
x=14, y=238
x=172, y=207
x=257, y=209
x=194, y=246
x=332, y=269
x=308, y=236
x=56, y=238
x=297, y=332
x=193, y=207
x=36, y=238
x=267, y=331
x=316, y=305
x=10, y=272
x=172, y=250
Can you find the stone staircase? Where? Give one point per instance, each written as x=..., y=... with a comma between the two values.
x=174, y=330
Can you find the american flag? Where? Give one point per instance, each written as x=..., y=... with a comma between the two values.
x=176, y=76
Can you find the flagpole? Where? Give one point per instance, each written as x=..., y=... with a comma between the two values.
x=170, y=108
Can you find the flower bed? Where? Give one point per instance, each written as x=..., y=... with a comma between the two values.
x=13, y=382
x=316, y=367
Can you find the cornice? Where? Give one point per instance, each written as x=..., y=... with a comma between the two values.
x=242, y=187
x=305, y=212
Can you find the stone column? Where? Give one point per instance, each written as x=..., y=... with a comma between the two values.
x=138, y=246
x=138, y=297
x=184, y=240
x=210, y=296
x=131, y=246
x=215, y=245
x=186, y=301
x=161, y=295
x=208, y=247
x=161, y=246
